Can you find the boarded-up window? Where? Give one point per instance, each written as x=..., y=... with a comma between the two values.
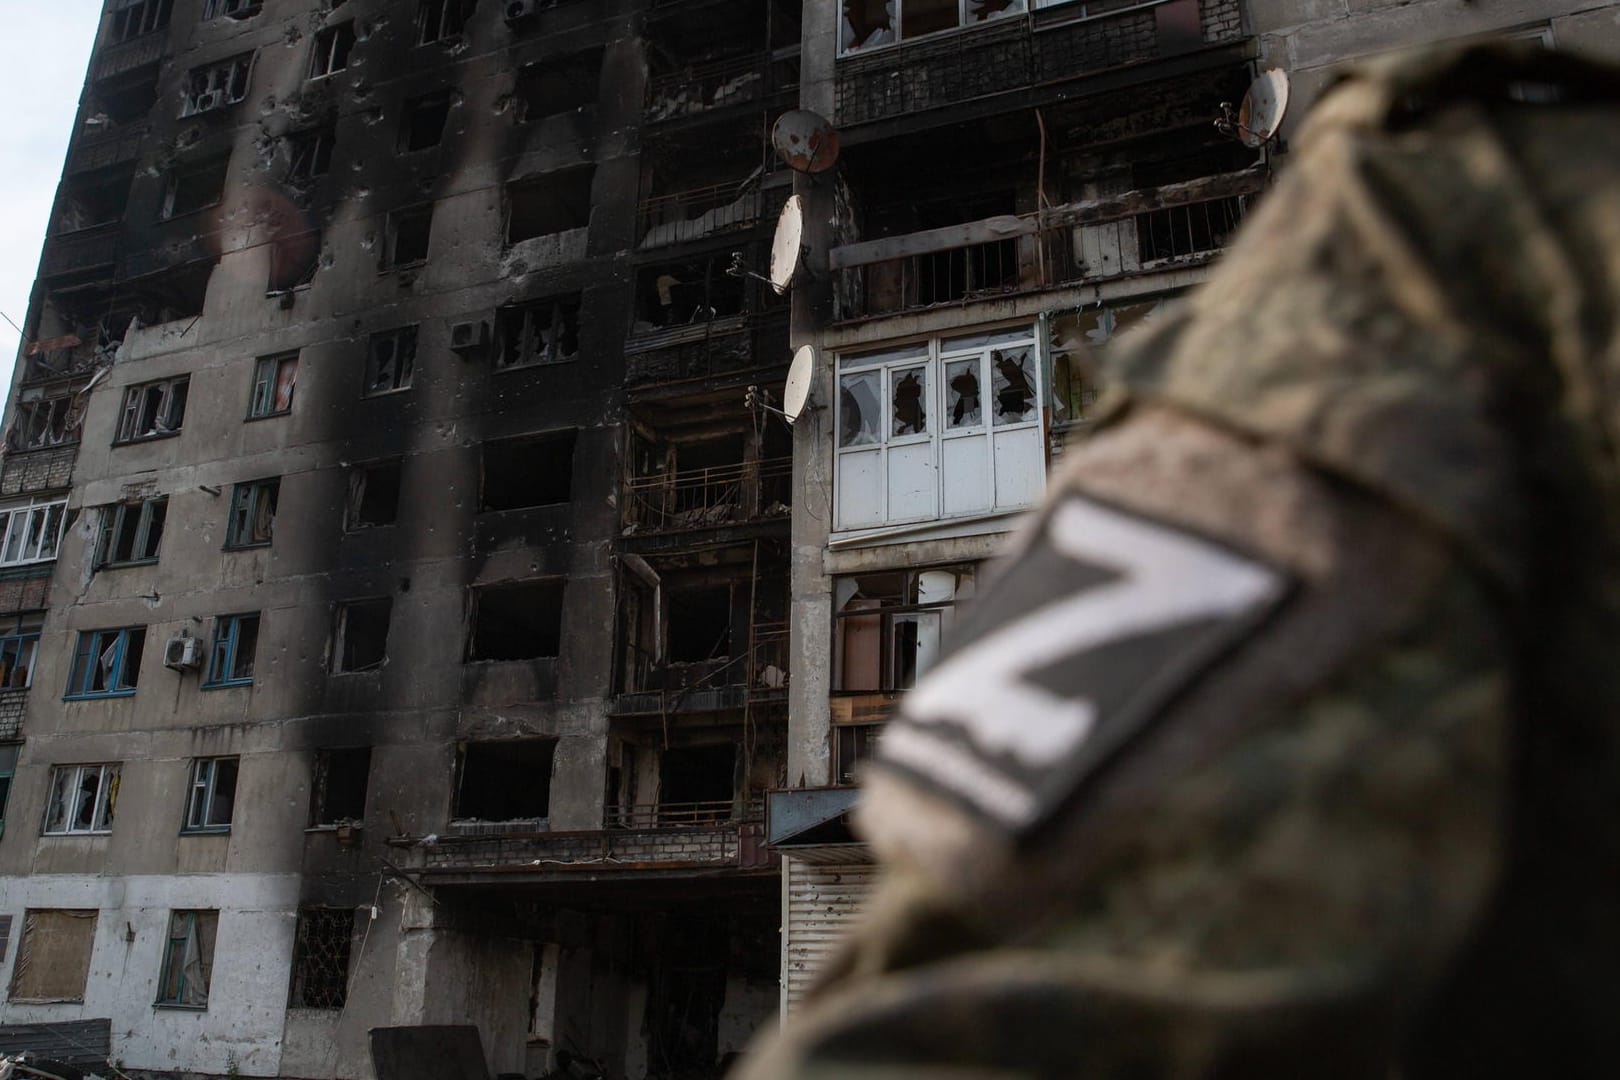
x=53, y=957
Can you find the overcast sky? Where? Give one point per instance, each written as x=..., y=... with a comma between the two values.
x=43, y=54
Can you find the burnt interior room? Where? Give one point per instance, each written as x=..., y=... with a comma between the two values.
x=123, y=99
x=519, y=620
x=91, y=300
x=699, y=461
x=699, y=289
x=701, y=59
x=528, y=471
x=558, y=84
x=504, y=780
x=692, y=173
x=552, y=202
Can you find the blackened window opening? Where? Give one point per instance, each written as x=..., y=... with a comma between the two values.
x=362, y=634
x=194, y=187
x=698, y=774
x=541, y=332
x=558, y=85
x=529, y=471
x=699, y=624
x=553, y=203
x=374, y=495
x=516, y=621
x=681, y=293
x=505, y=781
x=425, y=118
x=408, y=234
x=339, y=792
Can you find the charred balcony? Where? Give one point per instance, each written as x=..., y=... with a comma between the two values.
x=698, y=185
x=696, y=467
x=707, y=61
x=696, y=326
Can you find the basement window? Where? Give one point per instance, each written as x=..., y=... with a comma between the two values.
x=423, y=126
x=53, y=955
x=563, y=84
x=699, y=624
x=131, y=532
x=338, y=790
x=274, y=379
x=252, y=521
x=505, y=781
x=360, y=637
x=190, y=188
x=154, y=409
x=535, y=470
x=188, y=959
x=332, y=47
x=373, y=496
x=442, y=20
x=390, y=361
x=310, y=154
x=406, y=243
x=516, y=621
x=553, y=203
x=137, y=17
x=217, y=85
x=889, y=627
x=322, y=943
x=541, y=332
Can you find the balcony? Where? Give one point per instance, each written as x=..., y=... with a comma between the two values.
x=1175, y=225
x=759, y=676
x=102, y=149
x=709, y=497
x=724, y=347
x=84, y=250
x=717, y=86
x=1057, y=44
x=698, y=213
x=117, y=60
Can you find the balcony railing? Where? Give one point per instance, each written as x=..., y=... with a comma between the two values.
x=1137, y=231
x=85, y=249
x=729, y=345
x=105, y=148
x=709, y=497
x=719, y=84
x=675, y=815
x=681, y=216
x=118, y=59
x=759, y=670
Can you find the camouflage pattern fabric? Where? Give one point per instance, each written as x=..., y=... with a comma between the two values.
x=1366, y=828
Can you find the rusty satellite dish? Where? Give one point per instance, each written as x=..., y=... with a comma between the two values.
x=1261, y=113
x=805, y=141
x=796, y=394
x=787, y=249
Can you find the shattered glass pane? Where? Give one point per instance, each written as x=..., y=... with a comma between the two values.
x=866, y=23
x=980, y=10
x=859, y=406
x=918, y=17
x=910, y=415
x=1012, y=383
x=962, y=405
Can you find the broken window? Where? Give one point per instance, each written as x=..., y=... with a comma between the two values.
x=194, y=187
x=423, y=123
x=212, y=794
x=31, y=532
x=46, y=422
x=81, y=799
x=230, y=655
x=253, y=514
x=310, y=153
x=19, y=647
x=519, y=620
x=235, y=9
x=131, y=531
x=153, y=409
x=373, y=495
x=553, y=203
x=217, y=85
x=558, y=85
x=697, y=782
x=688, y=292
x=407, y=239
x=338, y=788
x=442, y=20
x=853, y=746
x=53, y=955
x=539, y=332
x=294, y=258
x=699, y=624
x=360, y=637
x=534, y=470
x=1012, y=385
x=508, y=780
x=331, y=53
x=99, y=198
x=188, y=959
x=125, y=99
x=274, y=379
x=867, y=23
x=1076, y=338
x=107, y=663
x=321, y=947
x=890, y=626
x=390, y=361
x=136, y=17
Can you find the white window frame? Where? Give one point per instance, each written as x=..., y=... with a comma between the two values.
x=229, y=78
x=65, y=799
x=400, y=343
x=267, y=380
x=326, y=41
x=200, y=797
x=31, y=531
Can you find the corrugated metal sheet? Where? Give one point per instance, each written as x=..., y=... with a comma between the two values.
x=822, y=902
x=85, y=1043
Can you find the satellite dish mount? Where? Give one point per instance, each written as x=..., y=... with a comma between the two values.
x=788, y=252
x=1261, y=113
x=795, y=392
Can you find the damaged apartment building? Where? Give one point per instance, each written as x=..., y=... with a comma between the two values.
x=408, y=621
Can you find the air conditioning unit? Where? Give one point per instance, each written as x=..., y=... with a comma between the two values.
x=519, y=10
x=469, y=337
x=208, y=101
x=183, y=653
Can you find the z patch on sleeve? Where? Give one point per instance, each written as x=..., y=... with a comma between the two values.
x=1081, y=643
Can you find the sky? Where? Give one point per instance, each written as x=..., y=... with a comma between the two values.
x=43, y=54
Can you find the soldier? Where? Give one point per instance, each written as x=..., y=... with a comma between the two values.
x=1285, y=744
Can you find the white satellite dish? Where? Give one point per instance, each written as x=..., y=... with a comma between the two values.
x=796, y=394
x=1261, y=113
x=787, y=247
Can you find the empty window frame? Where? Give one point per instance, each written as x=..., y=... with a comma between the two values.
x=553, y=203
x=520, y=620
x=699, y=624
x=19, y=648
x=373, y=495
x=541, y=332
x=408, y=232
x=95, y=199
x=188, y=959
x=310, y=153
x=534, y=470
x=107, y=663
x=53, y=955
x=360, y=634
x=82, y=799
x=442, y=20
x=424, y=120
x=294, y=259
x=390, y=361
x=558, y=85
x=865, y=24
x=131, y=532
x=217, y=85
x=31, y=532
x=46, y=422
x=331, y=52
x=322, y=944
x=688, y=292
x=508, y=780
x=230, y=654
x=338, y=788
x=274, y=379
x=153, y=410
x=889, y=626
x=212, y=795
x=1074, y=340
x=253, y=514
x=235, y=9
x=189, y=188
x=853, y=746
x=132, y=18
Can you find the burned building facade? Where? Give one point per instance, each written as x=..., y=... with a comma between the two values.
x=406, y=623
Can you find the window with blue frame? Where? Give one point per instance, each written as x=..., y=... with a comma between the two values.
x=19, y=645
x=107, y=663
x=230, y=658
x=188, y=959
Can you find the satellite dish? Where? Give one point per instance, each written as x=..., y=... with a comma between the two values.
x=1261, y=113
x=787, y=248
x=796, y=394
x=804, y=141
